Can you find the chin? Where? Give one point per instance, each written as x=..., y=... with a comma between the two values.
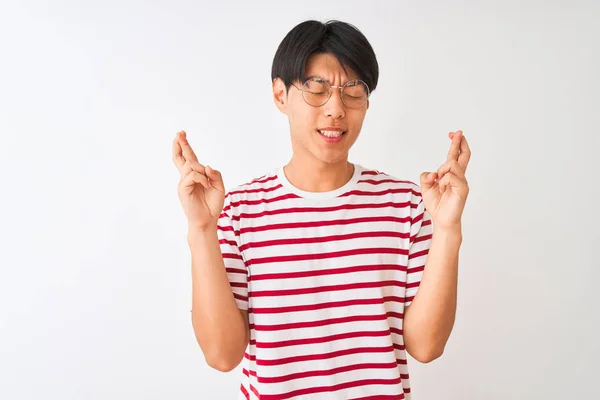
x=331, y=158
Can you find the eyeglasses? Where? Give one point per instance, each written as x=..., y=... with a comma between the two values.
x=316, y=91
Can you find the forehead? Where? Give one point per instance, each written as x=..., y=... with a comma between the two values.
x=328, y=67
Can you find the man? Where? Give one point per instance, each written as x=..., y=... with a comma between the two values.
x=308, y=275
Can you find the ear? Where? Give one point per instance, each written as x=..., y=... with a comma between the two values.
x=280, y=95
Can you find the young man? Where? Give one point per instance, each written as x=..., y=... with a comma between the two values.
x=308, y=275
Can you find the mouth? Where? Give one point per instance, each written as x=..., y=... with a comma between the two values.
x=331, y=134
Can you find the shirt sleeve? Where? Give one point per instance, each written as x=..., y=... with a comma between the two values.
x=237, y=272
x=421, y=230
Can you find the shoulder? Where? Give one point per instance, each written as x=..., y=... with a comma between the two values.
x=255, y=188
x=383, y=180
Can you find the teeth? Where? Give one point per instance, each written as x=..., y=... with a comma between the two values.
x=331, y=133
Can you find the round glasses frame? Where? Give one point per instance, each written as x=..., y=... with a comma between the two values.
x=331, y=87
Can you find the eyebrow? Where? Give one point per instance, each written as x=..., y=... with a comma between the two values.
x=325, y=79
x=316, y=76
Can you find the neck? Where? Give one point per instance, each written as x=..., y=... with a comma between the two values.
x=318, y=176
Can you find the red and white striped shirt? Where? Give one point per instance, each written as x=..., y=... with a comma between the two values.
x=325, y=278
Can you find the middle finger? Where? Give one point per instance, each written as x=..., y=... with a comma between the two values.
x=178, y=158
x=455, y=146
x=188, y=152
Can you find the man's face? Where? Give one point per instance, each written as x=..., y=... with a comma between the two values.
x=307, y=122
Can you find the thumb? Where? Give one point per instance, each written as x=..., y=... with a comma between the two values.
x=427, y=180
x=216, y=180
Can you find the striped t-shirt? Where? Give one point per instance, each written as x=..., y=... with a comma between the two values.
x=325, y=278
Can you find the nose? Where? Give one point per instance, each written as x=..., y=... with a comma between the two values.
x=335, y=106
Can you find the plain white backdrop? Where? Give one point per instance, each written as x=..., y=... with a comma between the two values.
x=94, y=264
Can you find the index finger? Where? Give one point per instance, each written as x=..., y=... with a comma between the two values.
x=454, y=147
x=465, y=153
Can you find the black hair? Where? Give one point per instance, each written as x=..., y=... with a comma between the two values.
x=341, y=39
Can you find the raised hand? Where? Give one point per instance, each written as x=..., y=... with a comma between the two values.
x=445, y=191
x=201, y=189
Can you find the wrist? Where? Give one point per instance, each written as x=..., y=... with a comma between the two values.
x=449, y=235
x=196, y=233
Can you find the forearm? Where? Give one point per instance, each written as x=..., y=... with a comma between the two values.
x=429, y=320
x=218, y=324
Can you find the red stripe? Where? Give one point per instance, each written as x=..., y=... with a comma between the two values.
x=229, y=242
x=253, y=389
x=394, y=314
x=371, y=172
x=320, y=289
x=313, y=224
x=379, y=182
x=379, y=193
x=232, y=256
x=321, y=256
x=417, y=218
x=261, y=201
x=320, y=306
x=415, y=270
x=380, y=397
x=240, y=297
x=329, y=321
x=321, y=239
x=294, y=210
x=245, y=392
x=323, y=356
x=259, y=190
x=333, y=371
x=396, y=331
x=324, y=339
x=422, y=238
x=412, y=284
x=236, y=271
x=332, y=271
x=320, y=389
x=262, y=179
x=418, y=254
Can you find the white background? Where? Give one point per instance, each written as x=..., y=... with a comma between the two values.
x=94, y=264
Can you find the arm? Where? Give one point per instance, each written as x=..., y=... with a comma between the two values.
x=429, y=319
x=221, y=328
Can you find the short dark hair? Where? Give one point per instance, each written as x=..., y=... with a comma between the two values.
x=341, y=39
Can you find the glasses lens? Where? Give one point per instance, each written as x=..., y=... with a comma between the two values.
x=355, y=94
x=316, y=92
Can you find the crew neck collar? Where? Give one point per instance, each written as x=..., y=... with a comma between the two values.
x=320, y=195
